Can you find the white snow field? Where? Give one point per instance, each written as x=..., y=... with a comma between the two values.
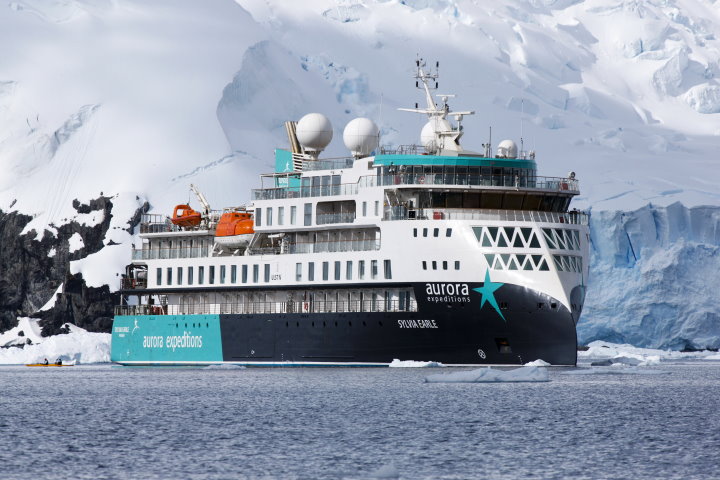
x=139, y=99
x=78, y=346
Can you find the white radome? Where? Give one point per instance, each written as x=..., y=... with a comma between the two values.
x=507, y=149
x=361, y=136
x=314, y=132
x=428, y=139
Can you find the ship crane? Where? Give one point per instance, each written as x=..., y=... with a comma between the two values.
x=203, y=201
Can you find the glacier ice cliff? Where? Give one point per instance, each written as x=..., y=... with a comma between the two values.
x=652, y=278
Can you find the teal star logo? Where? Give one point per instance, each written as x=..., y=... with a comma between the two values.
x=488, y=293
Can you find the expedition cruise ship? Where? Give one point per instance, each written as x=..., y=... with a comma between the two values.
x=424, y=252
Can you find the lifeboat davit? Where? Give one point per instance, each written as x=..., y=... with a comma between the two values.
x=234, y=229
x=184, y=216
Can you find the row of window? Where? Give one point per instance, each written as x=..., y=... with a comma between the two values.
x=525, y=237
x=434, y=264
x=309, y=270
x=337, y=270
x=277, y=216
x=512, y=261
x=568, y=263
x=435, y=232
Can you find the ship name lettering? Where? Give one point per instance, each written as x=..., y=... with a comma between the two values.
x=447, y=289
x=153, y=341
x=417, y=324
x=122, y=329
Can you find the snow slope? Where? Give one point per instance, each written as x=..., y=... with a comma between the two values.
x=139, y=99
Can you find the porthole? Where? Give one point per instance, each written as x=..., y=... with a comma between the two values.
x=336, y=324
x=349, y=324
x=287, y=324
x=297, y=323
x=380, y=323
x=313, y=324
x=364, y=324
x=324, y=325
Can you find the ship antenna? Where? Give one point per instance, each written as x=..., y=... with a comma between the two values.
x=522, y=114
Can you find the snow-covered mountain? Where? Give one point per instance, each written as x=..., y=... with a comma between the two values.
x=135, y=100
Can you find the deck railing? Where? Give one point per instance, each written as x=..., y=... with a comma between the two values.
x=404, y=213
x=269, y=307
x=558, y=184
x=175, y=252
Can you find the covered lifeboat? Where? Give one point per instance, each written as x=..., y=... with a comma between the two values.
x=186, y=217
x=234, y=229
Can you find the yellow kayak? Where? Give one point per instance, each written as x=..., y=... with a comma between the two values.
x=47, y=365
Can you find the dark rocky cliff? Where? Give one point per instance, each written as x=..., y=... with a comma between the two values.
x=29, y=276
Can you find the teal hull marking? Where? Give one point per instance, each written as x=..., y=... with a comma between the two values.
x=182, y=339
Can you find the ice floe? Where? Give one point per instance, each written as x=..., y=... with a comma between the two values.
x=490, y=375
x=414, y=364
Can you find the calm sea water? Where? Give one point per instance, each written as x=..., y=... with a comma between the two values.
x=165, y=423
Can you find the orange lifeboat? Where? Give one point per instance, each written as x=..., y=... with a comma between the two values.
x=234, y=229
x=184, y=216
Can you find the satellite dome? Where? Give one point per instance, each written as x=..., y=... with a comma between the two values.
x=507, y=149
x=314, y=132
x=361, y=136
x=428, y=138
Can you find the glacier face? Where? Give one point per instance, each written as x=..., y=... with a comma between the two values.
x=653, y=278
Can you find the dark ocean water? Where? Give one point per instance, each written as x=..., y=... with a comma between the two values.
x=166, y=423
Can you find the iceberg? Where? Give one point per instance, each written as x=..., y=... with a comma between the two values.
x=413, y=364
x=490, y=375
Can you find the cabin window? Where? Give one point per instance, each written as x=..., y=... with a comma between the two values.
x=436, y=232
x=364, y=209
x=361, y=269
x=244, y=274
x=293, y=214
x=448, y=232
x=281, y=216
x=325, y=270
x=373, y=269
x=424, y=265
x=258, y=217
x=269, y=217
x=388, y=271
x=190, y=275
x=222, y=273
x=337, y=270
x=377, y=208
x=348, y=270
x=256, y=273
x=425, y=232
x=158, y=276
x=267, y=272
x=180, y=275
x=233, y=274
x=308, y=214
x=414, y=232
x=201, y=275
x=445, y=265
x=434, y=265
x=169, y=275
x=211, y=275
x=298, y=272
x=457, y=264
x=311, y=271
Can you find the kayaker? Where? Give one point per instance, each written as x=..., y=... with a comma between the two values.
x=58, y=361
x=46, y=362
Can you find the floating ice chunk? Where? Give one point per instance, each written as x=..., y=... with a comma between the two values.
x=414, y=364
x=489, y=375
x=537, y=363
x=617, y=369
